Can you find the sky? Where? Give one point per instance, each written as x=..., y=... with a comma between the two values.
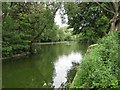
x=58, y=19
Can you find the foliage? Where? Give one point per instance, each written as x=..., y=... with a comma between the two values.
x=56, y=34
x=113, y=8
x=50, y=34
x=100, y=67
x=65, y=33
x=89, y=19
x=33, y=23
x=22, y=26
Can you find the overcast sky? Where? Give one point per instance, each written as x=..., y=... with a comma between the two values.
x=58, y=19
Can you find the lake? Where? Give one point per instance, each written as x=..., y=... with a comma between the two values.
x=49, y=67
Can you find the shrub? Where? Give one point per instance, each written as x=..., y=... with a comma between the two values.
x=100, y=67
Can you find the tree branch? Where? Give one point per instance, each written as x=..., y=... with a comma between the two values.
x=38, y=34
x=116, y=6
x=104, y=7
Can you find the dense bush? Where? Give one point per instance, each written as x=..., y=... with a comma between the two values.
x=100, y=67
x=22, y=26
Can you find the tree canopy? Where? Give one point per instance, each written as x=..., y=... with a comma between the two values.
x=22, y=26
x=91, y=19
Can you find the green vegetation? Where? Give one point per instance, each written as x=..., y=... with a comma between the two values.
x=56, y=34
x=92, y=20
x=35, y=23
x=95, y=23
x=100, y=67
x=89, y=22
x=21, y=26
x=24, y=26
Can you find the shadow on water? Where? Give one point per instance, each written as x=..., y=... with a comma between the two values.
x=47, y=68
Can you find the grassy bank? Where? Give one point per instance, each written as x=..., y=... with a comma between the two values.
x=101, y=66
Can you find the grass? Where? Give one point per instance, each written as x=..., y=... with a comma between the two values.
x=100, y=67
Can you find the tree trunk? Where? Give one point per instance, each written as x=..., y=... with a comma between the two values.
x=112, y=26
x=118, y=25
x=115, y=23
x=30, y=48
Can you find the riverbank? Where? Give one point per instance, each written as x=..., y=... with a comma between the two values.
x=99, y=68
x=43, y=43
x=90, y=47
x=16, y=55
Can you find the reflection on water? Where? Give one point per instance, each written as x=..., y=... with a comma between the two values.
x=63, y=65
x=48, y=67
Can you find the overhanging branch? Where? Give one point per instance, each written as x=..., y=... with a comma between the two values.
x=38, y=34
x=104, y=7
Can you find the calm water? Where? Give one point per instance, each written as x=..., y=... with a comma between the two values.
x=48, y=68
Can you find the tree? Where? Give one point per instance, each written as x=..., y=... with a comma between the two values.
x=47, y=18
x=114, y=8
x=23, y=24
x=50, y=34
x=15, y=28
x=89, y=19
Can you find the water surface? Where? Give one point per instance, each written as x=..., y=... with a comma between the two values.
x=63, y=65
x=47, y=68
